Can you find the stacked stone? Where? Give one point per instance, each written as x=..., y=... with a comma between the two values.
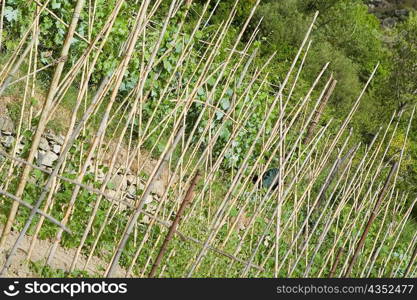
x=49, y=149
x=7, y=134
x=48, y=152
x=128, y=187
x=388, y=12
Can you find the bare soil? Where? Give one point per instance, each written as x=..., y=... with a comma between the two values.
x=62, y=260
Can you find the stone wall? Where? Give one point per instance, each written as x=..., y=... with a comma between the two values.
x=48, y=153
x=390, y=12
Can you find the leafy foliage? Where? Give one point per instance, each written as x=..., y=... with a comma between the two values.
x=345, y=35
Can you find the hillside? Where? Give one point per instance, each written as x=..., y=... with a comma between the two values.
x=208, y=138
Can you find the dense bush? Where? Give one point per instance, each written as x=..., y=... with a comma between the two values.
x=346, y=35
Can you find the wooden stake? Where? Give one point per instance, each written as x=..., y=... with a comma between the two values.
x=336, y=262
x=188, y=196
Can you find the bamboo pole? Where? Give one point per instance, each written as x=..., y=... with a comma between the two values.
x=319, y=112
x=42, y=122
x=411, y=262
x=371, y=218
x=16, y=66
x=38, y=211
x=117, y=200
x=139, y=206
x=140, y=23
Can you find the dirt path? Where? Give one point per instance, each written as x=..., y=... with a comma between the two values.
x=62, y=260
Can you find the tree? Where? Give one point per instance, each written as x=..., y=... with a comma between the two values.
x=403, y=84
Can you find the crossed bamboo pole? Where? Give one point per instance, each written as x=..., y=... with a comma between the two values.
x=352, y=180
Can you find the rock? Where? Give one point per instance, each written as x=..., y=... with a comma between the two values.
x=131, y=179
x=20, y=147
x=151, y=208
x=7, y=140
x=116, y=196
x=37, y=154
x=389, y=22
x=380, y=3
x=100, y=175
x=131, y=189
x=140, y=186
x=44, y=145
x=158, y=188
x=47, y=159
x=6, y=124
x=117, y=181
x=148, y=199
x=145, y=219
x=56, y=148
x=131, y=192
x=401, y=12
x=55, y=139
x=267, y=240
x=111, y=193
x=129, y=196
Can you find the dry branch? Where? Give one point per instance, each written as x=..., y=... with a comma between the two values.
x=188, y=196
x=336, y=262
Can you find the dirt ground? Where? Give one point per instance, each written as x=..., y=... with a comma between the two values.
x=63, y=258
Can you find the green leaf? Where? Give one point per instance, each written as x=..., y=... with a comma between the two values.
x=11, y=14
x=178, y=48
x=225, y=103
x=111, y=185
x=200, y=91
x=198, y=35
x=55, y=4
